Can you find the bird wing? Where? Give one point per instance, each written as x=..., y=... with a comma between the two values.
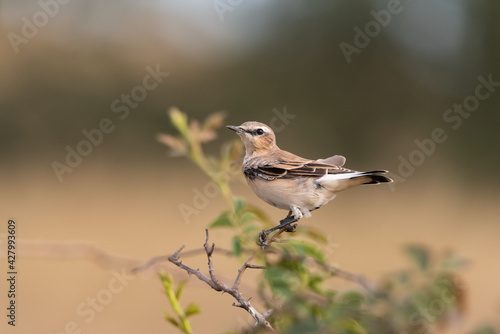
x=336, y=160
x=295, y=167
x=292, y=169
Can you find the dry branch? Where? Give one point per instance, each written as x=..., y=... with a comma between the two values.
x=218, y=285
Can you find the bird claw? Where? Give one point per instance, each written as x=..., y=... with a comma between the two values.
x=264, y=235
x=291, y=228
x=263, y=238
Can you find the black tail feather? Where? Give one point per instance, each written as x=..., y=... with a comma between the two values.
x=376, y=178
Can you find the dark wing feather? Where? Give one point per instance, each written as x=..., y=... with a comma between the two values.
x=293, y=169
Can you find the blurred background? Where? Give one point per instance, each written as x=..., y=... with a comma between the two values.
x=380, y=83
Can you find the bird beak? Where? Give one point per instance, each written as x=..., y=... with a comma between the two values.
x=237, y=129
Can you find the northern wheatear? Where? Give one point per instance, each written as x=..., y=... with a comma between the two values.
x=290, y=182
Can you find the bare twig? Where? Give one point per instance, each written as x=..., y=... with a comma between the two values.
x=360, y=279
x=218, y=285
x=209, y=250
x=174, y=258
x=77, y=249
x=245, y=265
x=255, y=266
x=341, y=273
x=160, y=258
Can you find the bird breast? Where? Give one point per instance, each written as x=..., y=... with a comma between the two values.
x=302, y=192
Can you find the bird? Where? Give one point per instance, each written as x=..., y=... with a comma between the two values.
x=289, y=182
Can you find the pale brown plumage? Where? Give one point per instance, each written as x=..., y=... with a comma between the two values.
x=290, y=182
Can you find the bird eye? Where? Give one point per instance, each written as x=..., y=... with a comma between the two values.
x=259, y=132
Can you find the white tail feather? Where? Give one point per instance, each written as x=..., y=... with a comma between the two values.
x=343, y=181
x=341, y=176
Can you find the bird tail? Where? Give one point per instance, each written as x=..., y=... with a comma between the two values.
x=343, y=181
x=376, y=177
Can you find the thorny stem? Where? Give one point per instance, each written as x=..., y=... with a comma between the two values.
x=348, y=276
x=218, y=285
x=245, y=265
x=215, y=283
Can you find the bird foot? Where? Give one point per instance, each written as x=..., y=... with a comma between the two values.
x=286, y=225
x=291, y=228
x=263, y=238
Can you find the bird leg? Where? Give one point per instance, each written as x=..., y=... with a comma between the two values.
x=284, y=222
x=287, y=222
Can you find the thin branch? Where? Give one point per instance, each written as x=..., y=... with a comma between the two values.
x=341, y=273
x=218, y=285
x=255, y=266
x=174, y=258
x=245, y=265
x=160, y=258
x=77, y=249
x=360, y=279
x=209, y=250
x=268, y=313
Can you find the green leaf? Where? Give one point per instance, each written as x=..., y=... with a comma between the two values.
x=258, y=213
x=314, y=283
x=180, y=289
x=247, y=216
x=179, y=120
x=250, y=228
x=306, y=249
x=419, y=255
x=166, y=280
x=222, y=221
x=278, y=281
x=172, y=320
x=192, y=309
x=238, y=204
x=237, y=249
x=353, y=299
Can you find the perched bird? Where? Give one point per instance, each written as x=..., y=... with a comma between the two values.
x=290, y=182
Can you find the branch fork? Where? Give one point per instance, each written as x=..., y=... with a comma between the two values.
x=215, y=283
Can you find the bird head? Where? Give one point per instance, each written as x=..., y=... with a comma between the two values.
x=258, y=138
